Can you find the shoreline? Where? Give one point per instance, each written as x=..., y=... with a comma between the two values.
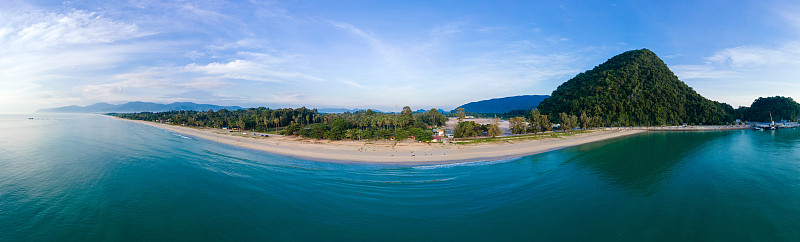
x=388, y=152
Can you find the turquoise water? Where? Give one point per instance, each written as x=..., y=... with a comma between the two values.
x=88, y=178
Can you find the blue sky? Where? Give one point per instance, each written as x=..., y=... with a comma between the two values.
x=378, y=54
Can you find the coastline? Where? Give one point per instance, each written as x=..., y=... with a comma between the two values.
x=388, y=152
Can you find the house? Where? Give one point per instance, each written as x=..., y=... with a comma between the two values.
x=449, y=133
x=439, y=132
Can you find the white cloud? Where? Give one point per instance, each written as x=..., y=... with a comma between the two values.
x=152, y=83
x=448, y=29
x=201, y=13
x=742, y=59
x=243, y=43
x=740, y=74
x=38, y=30
x=355, y=84
x=754, y=56
x=249, y=70
x=686, y=72
x=43, y=50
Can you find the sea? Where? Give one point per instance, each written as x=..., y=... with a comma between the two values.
x=93, y=178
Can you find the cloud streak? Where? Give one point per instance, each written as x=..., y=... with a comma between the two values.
x=740, y=74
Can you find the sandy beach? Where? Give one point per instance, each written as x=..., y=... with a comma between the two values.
x=388, y=152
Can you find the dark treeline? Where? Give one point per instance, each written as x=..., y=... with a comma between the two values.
x=306, y=122
x=782, y=108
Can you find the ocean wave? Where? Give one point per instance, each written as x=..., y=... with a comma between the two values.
x=177, y=134
x=261, y=163
x=473, y=163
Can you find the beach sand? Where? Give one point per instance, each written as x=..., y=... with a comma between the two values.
x=388, y=152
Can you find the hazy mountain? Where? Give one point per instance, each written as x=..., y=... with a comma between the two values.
x=133, y=107
x=634, y=88
x=343, y=110
x=503, y=104
x=425, y=110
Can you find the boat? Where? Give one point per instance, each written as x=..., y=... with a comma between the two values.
x=771, y=122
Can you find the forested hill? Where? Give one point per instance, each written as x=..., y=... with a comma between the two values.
x=504, y=104
x=780, y=108
x=634, y=88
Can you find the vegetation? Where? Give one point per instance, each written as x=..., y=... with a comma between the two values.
x=468, y=129
x=520, y=137
x=493, y=129
x=465, y=129
x=782, y=108
x=308, y=122
x=568, y=122
x=538, y=122
x=517, y=125
x=634, y=88
x=460, y=114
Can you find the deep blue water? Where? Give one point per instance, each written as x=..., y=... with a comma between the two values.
x=89, y=177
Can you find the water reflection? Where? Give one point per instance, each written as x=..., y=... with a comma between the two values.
x=782, y=138
x=640, y=164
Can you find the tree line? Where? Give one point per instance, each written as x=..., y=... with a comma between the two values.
x=360, y=125
x=781, y=108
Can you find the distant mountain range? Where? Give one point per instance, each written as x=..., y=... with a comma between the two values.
x=425, y=110
x=503, y=104
x=135, y=107
x=343, y=110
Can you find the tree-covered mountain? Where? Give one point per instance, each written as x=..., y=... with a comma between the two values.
x=133, y=107
x=504, y=104
x=634, y=88
x=782, y=108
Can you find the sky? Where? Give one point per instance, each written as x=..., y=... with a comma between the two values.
x=378, y=54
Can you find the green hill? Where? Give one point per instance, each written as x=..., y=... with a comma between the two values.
x=781, y=108
x=634, y=88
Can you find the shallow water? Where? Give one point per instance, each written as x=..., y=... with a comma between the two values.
x=88, y=177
